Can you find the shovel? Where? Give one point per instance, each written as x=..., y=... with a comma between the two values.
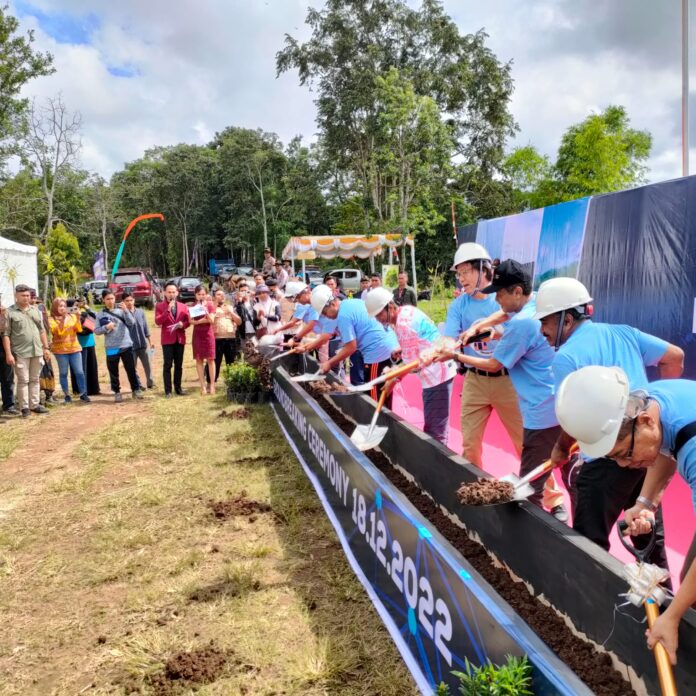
x=309, y=377
x=665, y=675
x=522, y=486
x=398, y=372
x=366, y=437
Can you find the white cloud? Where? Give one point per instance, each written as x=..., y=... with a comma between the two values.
x=200, y=66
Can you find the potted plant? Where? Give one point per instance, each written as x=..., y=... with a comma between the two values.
x=514, y=678
x=243, y=383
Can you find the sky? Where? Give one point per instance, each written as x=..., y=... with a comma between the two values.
x=161, y=72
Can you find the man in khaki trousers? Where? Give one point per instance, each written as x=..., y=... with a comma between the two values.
x=483, y=391
x=25, y=343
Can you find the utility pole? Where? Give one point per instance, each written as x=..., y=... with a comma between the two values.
x=685, y=87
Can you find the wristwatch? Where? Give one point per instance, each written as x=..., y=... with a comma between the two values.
x=647, y=502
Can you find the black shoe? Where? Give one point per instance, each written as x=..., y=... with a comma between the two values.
x=25, y=413
x=40, y=409
x=560, y=513
x=85, y=398
x=168, y=395
x=180, y=392
x=67, y=399
x=11, y=411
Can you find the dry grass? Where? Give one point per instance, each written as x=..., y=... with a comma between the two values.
x=109, y=570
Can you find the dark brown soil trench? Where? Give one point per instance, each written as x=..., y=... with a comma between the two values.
x=595, y=669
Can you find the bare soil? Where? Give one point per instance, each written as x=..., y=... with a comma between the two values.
x=593, y=667
x=238, y=506
x=485, y=491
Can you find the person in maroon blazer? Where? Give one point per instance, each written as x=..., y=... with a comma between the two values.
x=173, y=318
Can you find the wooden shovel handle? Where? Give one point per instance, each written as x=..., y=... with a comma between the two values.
x=403, y=369
x=382, y=399
x=664, y=666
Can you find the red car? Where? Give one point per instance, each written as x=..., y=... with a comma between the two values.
x=140, y=283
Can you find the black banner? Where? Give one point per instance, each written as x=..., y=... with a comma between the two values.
x=437, y=609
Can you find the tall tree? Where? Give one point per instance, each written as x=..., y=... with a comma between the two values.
x=355, y=42
x=19, y=63
x=601, y=154
x=49, y=144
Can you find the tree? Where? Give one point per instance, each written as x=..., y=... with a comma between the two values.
x=598, y=155
x=355, y=43
x=59, y=258
x=19, y=64
x=49, y=145
x=602, y=154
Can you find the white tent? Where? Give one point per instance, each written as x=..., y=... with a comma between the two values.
x=18, y=264
x=347, y=247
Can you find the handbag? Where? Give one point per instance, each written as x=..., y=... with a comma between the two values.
x=88, y=324
x=47, y=380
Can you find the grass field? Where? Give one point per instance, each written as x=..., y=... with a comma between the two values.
x=138, y=538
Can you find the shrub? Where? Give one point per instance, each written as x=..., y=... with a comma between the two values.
x=240, y=377
x=514, y=678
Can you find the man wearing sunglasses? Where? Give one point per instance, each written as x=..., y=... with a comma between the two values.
x=653, y=430
x=604, y=489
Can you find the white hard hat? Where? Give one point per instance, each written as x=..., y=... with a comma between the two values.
x=294, y=287
x=470, y=251
x=321, y=296
x=558, y=294
x=377, y=300
x=590, y=406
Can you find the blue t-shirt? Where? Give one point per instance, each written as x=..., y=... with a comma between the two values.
x=326, y=325
x=305, y=313
x=462, y=313
x=677, y=401
x=528, y=357
x=374, y=341
x=610, y=345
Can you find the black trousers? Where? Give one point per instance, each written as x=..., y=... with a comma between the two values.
x=172, y=354
x=128, y=360
x=7, y=379
x=603, y=491
x=374, y=370
x=536, y=449
x=224, y=348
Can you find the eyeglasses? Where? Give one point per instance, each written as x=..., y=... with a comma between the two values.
x=629, y=452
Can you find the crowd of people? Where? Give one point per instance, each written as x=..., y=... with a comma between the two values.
x=559, y=381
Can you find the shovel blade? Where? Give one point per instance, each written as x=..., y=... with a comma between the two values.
x=309, y=377
x=521, y=492
x=365, y=438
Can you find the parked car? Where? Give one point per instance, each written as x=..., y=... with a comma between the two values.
x=348, y=279
x=314, y=278
x=187, y=287
x=95, y=287
x=140, y=283
x=245, y=270
x=226, y=271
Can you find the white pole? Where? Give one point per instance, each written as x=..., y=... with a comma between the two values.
x=685, y=88
x=413, y=264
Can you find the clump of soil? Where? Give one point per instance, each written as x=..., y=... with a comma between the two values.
x=185, y=669
x=241, y=506
x=593, y=667
x=239, y=414
x=261, y=363
x=324, y=387
x=485, y=491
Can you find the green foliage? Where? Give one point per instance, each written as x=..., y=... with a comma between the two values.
x=240, y=377
x=602, y=154
x=59, y=257
x=514, y=678
x=598, y=155
x=443, y=690
x=19, y=63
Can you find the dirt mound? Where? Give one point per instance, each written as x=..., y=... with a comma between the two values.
x=185, y=669
x=324, y=387
x=239, y=414
x=485, y=491
x=241, y=506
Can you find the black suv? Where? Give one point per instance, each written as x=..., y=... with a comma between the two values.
x=187, y=287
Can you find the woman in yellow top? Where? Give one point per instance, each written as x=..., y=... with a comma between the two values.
x=64, y=327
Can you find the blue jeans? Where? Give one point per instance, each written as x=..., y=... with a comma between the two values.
x=74, y=362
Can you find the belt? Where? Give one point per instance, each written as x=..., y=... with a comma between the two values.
x=501, y=373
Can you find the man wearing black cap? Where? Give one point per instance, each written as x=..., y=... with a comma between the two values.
x=527, y=356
